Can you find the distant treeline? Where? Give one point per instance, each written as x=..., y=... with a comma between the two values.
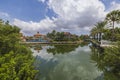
x=65, y=36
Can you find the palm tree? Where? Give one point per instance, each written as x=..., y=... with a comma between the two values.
x=100, y=29
x=113, y=17
x=93, y=32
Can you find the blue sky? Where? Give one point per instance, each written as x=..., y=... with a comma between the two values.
x=54, y=14
x=26, y=9
x=108, y=2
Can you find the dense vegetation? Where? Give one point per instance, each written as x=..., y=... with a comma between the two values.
x=84, y=37
x=16, y=61
x=62, y=36
x=108, y=58
x=108, y=61
x=107, y=29
x=61, y=49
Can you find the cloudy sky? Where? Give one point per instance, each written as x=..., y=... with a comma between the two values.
x=75, y=16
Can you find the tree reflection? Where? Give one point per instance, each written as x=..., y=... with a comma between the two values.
x=61, y=49
x=64, y=48
x=84, y=43
x=36, y=47
x=108, y=61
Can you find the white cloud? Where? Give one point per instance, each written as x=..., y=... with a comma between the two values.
x=42, y=1
x=32, y=27
x=77, y=13
x=4, y=16
x=73, y=15
x=70, y=9
x=114, y=6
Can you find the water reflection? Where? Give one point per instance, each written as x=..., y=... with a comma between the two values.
x=74, y=65
x=61, y=49
x=57, y=48
x=107, y=60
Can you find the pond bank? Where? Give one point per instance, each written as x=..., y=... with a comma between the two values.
x=77, y=42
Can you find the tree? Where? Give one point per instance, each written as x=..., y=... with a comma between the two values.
x=52, y=35
x=62, y=36
x=61, y=49
x=94, y=32
x=108, y=34
x=107, y=60
x=84, y=37
x=16, y=60
x=113, y=17
x=100, y=29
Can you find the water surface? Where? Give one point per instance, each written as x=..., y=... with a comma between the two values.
x=65, y=62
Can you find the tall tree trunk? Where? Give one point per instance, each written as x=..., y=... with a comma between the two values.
x=113, y=32
x=100, y=35
x=94, y=37
x=97, y=36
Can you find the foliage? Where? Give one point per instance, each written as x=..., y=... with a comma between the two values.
x=97, y=31
x=84, y=37
x=64, y=48
x=62, y=36
x=108, y=61
x=9, y=37
x=16, y=61
x=108, y=34
x=61, y=49
x=112, y=18
x=93, y=32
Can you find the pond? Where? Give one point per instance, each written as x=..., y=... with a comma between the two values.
x=65, y=62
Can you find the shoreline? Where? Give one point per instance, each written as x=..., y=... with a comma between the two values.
x=51, y=42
